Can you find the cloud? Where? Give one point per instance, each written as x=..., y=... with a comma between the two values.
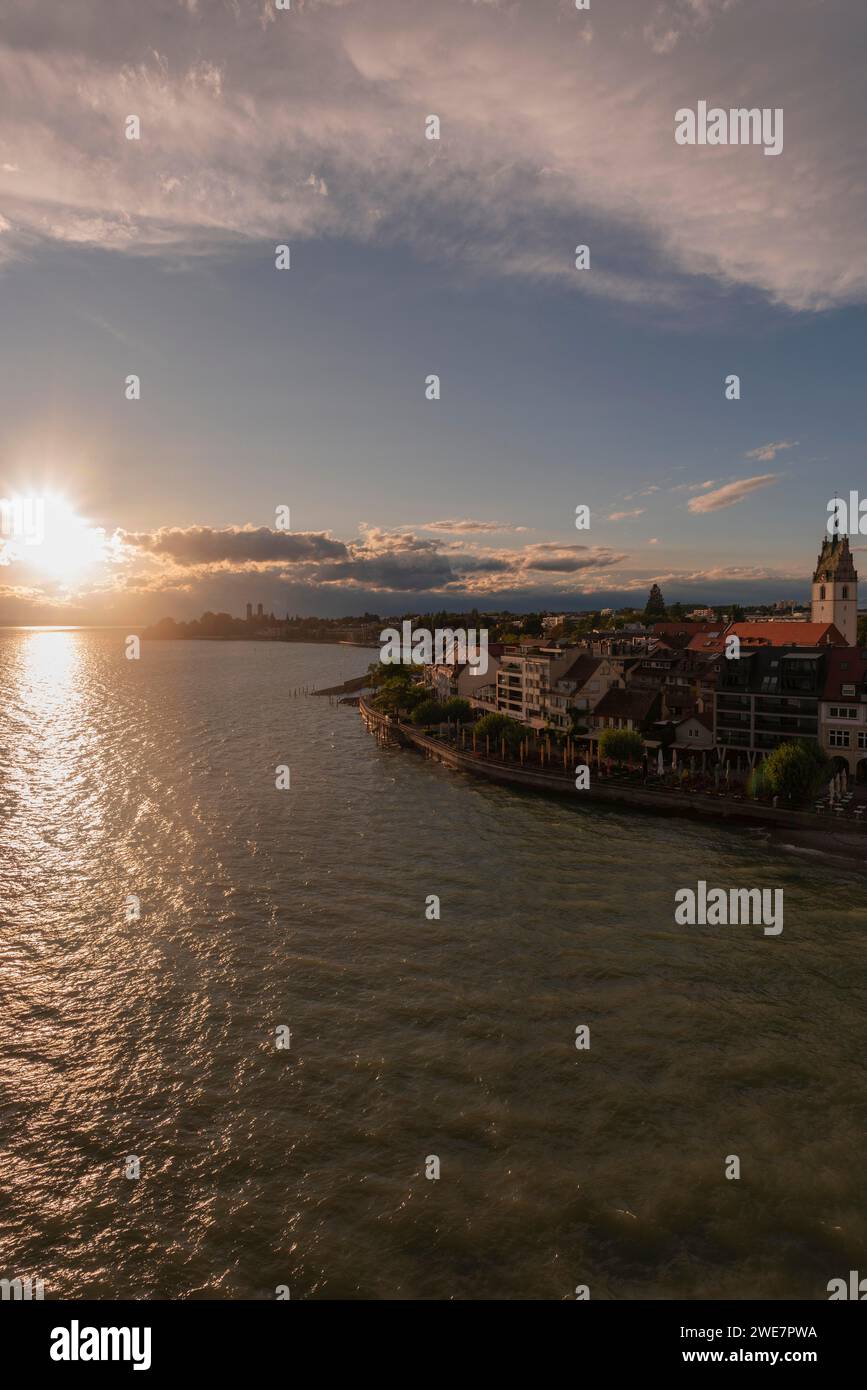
x=466, y=525
x=204, y=545
x=768, y=452
x=311, y=123
x=731, y=493
x=627, y=516
x=378, y=560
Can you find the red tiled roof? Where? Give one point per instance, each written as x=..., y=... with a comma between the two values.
x=769, y=635
x=710, y=642
x=787, y=634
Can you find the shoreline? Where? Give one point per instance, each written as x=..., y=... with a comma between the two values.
x=802, y=832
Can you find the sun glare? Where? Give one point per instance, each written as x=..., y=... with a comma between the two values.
x=57, y=542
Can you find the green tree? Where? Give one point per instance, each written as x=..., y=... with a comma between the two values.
x=498, y=726
x=623, y=745
x=862, y=631
x=397, y=694
x=458, y=710
x=428, y=712
x=795, y=770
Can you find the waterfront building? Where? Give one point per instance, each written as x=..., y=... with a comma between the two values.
x=638, y=710
x=694, y=734
x=458, y=679
x=580, y=688
x=770, y=695
x=843, y=717
x=526, y=678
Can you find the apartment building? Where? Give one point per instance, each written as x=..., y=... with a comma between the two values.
x=843, y=716
x=768, y=696
x=581, y=687
x=526, y=678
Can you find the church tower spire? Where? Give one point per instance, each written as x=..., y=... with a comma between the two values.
x=835, y=588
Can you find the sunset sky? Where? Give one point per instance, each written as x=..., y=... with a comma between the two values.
x=306, y=388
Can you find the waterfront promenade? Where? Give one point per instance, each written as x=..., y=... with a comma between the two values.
x=799, y=829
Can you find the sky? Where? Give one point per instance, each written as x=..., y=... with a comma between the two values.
x=305, y=388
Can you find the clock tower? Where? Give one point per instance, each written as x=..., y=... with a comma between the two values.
x=835, y=588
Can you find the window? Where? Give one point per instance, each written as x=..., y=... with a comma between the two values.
x=862, y=740
x=821, y=591
x=839, y=738
x=848, y=690
x=843, y=712
x=845, y=591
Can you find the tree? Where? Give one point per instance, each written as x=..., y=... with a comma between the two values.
x=499, y=726
x=457, y=710
x=428, y=712
x=655, y=607
x=862, y=631
x=578, y=718
x=397, y=694
x=738, y=614
x=623, y=745
x=795, y=770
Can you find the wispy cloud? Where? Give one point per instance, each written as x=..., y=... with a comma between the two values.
x=627, y=516
x=766, y=453
x=272, y=126
x=731, y=493
x=466, y=525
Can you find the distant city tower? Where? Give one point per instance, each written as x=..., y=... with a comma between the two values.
x=249, y=612
x=259, y=612
x=835, y=588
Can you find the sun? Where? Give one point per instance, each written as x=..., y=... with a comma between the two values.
x=55, y=541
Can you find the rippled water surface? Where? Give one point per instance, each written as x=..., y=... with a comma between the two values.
x=306, y=908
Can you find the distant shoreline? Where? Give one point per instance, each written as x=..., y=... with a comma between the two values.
x=274, y=641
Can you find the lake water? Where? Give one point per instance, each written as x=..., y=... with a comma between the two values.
x=305, y=908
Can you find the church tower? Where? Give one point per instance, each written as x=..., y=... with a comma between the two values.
x=835, y=588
